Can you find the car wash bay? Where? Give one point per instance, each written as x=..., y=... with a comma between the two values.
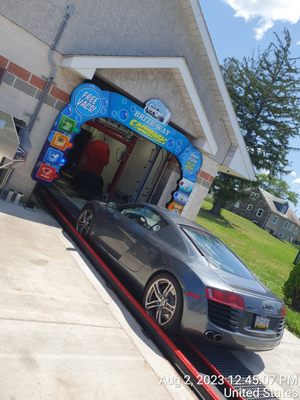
x=128, y=166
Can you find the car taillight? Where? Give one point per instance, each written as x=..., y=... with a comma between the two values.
x=283, y=311
x=224, y=297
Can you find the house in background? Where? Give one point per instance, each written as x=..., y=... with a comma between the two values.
x=270, y=213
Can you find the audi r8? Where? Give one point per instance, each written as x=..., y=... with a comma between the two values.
x=187, y=278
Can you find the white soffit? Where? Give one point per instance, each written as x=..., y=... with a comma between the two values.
x=86, y=67
x=238, y=167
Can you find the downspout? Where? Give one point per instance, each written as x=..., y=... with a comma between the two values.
x=53, y=68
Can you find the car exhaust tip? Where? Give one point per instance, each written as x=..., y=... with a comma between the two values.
x=213, y=336
x=218, y=337
x=210, y=335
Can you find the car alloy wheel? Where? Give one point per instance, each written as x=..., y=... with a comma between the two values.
x=85, y=221
x=163, y=301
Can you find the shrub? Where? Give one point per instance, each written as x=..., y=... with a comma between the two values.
x=292, y=288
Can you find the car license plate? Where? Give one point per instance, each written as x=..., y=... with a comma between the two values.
x=261, y=322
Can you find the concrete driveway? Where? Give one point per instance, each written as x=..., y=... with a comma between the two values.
x=278, y=369
x=63, y=334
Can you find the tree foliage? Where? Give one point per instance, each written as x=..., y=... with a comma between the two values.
x=278, y=187
x=263, y=90
x=292, y=288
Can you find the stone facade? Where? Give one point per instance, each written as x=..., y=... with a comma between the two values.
x=256, y=207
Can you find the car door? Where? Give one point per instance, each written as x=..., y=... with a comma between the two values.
x=146, y=247
x=112, y=233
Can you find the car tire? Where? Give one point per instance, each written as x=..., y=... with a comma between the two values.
x=85, y=221
x=162, y=301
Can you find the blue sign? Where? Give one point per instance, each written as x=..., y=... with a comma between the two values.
x=87, y=102
x=190, y=161
x=138, y=120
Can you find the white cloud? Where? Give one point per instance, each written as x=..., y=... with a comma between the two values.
x=298, y=43
x=293, y=174
x=266, y=12
x=296, y=181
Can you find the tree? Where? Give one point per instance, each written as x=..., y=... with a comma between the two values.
x=263, y=90
x=291, y=288
x=278, y=187
x=224, y=189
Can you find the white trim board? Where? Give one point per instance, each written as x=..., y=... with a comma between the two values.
x=86, y=67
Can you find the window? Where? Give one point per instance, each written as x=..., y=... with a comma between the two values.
x=218, y=254
x=144, y=216
x=286, y=225
x=259, y=212
x=291, y=228
x=237, y=204
x=249, y=207
x=296, y=231
x=275, y=219
x=254, y=196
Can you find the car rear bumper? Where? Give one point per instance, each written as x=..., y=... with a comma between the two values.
x=245, y=342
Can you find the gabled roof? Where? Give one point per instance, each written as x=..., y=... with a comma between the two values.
x=237, y=161
x=270, y=199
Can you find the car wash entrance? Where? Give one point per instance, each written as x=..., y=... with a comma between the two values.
x=104, y=145
x=111, y=163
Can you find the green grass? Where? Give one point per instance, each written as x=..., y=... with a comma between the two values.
x=269, y=258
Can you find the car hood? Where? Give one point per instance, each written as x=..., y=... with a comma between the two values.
x=252, y=286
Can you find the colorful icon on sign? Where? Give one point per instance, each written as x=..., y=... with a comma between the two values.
x=158, y=110
x=53, y=156
x=60, y=141
x=46, y=173
x=175, y=207
x=67, y=124
x=181, y=197
x=185, y=185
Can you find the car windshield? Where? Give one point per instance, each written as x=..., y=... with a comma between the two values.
x=218, y=253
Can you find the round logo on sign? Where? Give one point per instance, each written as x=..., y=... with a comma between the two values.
x=87, y=100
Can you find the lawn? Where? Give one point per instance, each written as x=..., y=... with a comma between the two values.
x=269, y=258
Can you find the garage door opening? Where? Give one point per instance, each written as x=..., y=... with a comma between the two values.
x=127, y=168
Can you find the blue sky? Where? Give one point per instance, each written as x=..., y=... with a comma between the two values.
x=239, y=36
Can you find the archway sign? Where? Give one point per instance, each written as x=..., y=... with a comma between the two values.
x=87, y=102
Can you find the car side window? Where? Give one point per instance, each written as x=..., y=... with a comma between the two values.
x=145, y=217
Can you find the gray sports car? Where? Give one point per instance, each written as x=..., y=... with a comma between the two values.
x=189, y=280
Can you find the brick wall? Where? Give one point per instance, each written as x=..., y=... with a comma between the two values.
x=32, y=85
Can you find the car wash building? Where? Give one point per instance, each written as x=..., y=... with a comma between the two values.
x=119, y=101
